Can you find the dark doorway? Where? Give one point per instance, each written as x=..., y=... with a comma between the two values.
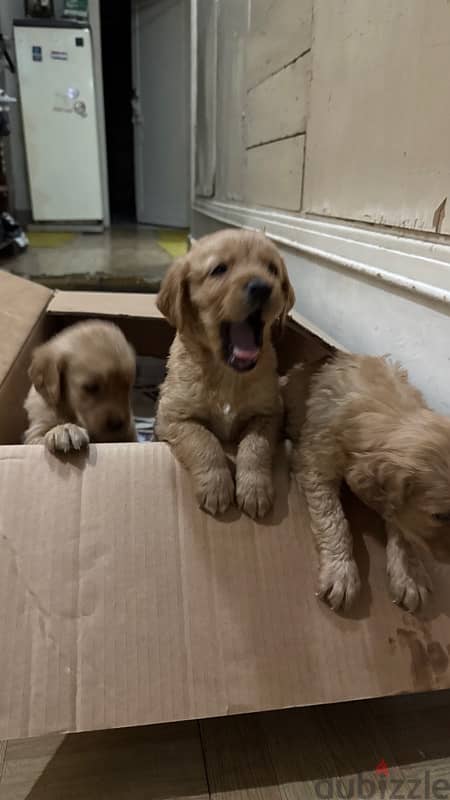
x=118, y=87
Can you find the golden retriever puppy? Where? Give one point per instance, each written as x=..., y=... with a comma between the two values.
x=82, y=380
x=222, y=387
x=367, y=425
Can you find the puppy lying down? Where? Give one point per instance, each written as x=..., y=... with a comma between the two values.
x=82, y=380
x=222, y=385
x=365, y=424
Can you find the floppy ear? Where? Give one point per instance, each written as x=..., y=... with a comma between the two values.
x=385, y=480
x=45, y=372
x=173, y=299
x=289, y=295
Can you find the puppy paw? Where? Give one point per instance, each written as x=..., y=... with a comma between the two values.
x=339, y=583
x=254, y=493
x=66, y=437
x=215, y=491
x=409, y=584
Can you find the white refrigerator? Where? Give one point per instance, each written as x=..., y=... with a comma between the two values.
x=57, y=97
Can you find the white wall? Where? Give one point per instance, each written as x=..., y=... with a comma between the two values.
x=367, y=316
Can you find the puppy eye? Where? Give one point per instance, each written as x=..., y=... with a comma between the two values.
x=219, y=270
x=442, y=516
x=273, y=269
x=91, y=388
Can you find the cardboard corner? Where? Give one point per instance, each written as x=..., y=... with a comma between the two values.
x=22, y=304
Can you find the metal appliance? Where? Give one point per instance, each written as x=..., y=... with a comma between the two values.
x=57, y=96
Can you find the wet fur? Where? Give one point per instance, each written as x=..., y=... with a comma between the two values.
x=363, y=422
x=61, y=413
x=204, y=403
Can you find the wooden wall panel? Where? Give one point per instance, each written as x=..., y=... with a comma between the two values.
x=280, y=31
x=274, y=174
x=278, y=107
x=378, y=146
x=232, y=33
x=205, y=154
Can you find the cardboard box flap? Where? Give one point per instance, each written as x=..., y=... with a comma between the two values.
x=297, y=320
x=101, y=304
x=21, y=305
x=123, y=604
x=142, y=306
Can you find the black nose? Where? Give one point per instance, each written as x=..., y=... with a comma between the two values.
x=115, y=424
x=258, y=292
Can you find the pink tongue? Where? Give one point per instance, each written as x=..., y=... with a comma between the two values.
x=243, y=341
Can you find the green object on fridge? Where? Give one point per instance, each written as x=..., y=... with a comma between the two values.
x=77, y=9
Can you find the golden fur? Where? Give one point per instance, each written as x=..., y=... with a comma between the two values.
x=82, y=380
x=366, y=424
x=204, y=400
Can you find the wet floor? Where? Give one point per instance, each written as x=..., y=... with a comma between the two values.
x=128, y=258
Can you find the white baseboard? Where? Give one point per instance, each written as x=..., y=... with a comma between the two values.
x=410, y=264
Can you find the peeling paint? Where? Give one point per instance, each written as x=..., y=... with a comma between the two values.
x=439, y=216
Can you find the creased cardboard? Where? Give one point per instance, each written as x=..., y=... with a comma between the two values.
x=22, y=311
x=21, y=305
x=124, y=604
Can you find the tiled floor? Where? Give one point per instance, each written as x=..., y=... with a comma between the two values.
x=126, y=259
x=398, y=747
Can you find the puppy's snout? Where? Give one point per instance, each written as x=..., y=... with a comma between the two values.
x=258, y=292
x=114, y=423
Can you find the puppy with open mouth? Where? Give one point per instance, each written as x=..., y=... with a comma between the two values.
x=222, y=385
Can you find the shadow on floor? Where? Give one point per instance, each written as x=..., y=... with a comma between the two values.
x=326, y=751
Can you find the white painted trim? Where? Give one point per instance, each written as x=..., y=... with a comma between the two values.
x=421, y=267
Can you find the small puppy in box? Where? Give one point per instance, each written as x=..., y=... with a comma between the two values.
x=366, y=424
x=224, y=298
x=82, y=380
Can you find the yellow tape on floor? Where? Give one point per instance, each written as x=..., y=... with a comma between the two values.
x=47, y=239
x=173, y=242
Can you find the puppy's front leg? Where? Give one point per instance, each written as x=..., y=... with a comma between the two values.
x=57, y=438
x=66, y=437
x=339, y=581
x=202, y=454
x=409, y=581
x=254, y=480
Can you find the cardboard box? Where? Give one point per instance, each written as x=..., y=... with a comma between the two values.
x=122, y=603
